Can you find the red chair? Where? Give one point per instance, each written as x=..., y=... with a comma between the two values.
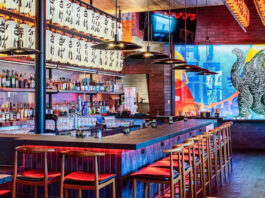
x=80, y=180
x=34, y=177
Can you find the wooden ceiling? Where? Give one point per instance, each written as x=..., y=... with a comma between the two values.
x=141, y=5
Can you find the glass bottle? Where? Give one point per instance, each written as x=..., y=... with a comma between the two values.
x=8, y=79
x=13, y=79
x=3, y=79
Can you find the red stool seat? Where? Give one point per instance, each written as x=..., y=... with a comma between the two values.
x=38, y=175
x=4, y=192
x=156, y=173
x=165, y=163
x=186, y=158
x=85, y=178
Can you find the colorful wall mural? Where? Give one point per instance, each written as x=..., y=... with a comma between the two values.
x=239, y=97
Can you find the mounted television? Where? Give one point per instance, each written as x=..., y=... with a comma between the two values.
x=159, y=27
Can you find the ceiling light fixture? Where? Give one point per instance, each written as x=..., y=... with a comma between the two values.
x=169, y=60
x=19, y=50
x=116, y=44
x=148, y=54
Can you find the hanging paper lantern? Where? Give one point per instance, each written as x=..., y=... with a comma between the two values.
x=26, y=30
x=65, y=48
x=11, y=33
x=78, y=57
x=106, y=27
x=32, y=8
x=89, y=55
x=50, y=9
x=121, y=61
x=49, y=45
x=102, y=26
x=61, y=49
x=73, y=52
x=112, y=29
x=67, y=14
x=120, y=31
x=260, y=6
x=11, y=4
x=76, y=16
x=55, y=57
x=94, y=57
x=89, y=21
x=95, y=24
x=84, y=53
x=57, y=18
x=70, y=57
x=25, y=6
x=111, y=60
x=2, y=34
x=83, y=20
x=105, y=59
x=31, y=34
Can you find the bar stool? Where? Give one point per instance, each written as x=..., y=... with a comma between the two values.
x=34, y=177
x=201, y=151
x=187, y=171
x=165, y=176
x=80, y=180
x=229, y=137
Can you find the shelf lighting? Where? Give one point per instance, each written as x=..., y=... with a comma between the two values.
x=240, y=11
x=260, y=6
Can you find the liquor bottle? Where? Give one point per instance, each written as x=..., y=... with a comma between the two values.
x=10, y=112
x=21, y=112
x=0, y=81
x=3, y=79
x=14, y=110
x=18, y=113
x=31, y=112
x=26, y=84
x=17, y=80
x=25, y=112
x=8, y=79
x=13, y=79
x=32, y=81
x=7, y=113
x=20, y=81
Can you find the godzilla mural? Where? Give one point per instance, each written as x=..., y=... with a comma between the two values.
x=250, y=83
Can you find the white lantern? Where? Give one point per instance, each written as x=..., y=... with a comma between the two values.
x=73, y=52
x=11, y=4
x=111, y=60
x=121, y=59
x=95, y=24
x=65, y=49
x=49, y=45
x=32, y=7
x=84, y=53
x=112, y=29
x=50, y=9
x=120, y=31
x=105, y=59
x=89, y=21
x=25, y=6
x=57, y=18
x=83, y=20
x=68, y=14
x=107, y=23
x=26, y=30
x=11, y=33
x=31, y=33
x=78, y=57
x=76, y=16
x=89, y=56
x=55, y=57
x=102, y=26
x=94, y=57
x=97, y=58
x=2, y=34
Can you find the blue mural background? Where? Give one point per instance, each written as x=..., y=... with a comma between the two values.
x=215, y=90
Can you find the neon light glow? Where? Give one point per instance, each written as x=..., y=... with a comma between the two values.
x=260, y=6
x=240, y=11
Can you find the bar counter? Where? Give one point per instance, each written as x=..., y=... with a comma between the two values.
x=124, y=153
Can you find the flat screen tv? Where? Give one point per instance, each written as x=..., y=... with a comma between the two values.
x=159, y=27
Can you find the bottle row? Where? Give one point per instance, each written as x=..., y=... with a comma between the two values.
x=12, y=79
x=60, y=48
x=70, y=15
x=16, y=112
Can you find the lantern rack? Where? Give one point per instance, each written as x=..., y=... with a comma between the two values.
x=52, y=26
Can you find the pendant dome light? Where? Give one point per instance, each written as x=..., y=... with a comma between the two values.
x=148, y=54
x=185, y=66
x=116, y=44
x=19, y=50
x=169, y=60
x=206, y=71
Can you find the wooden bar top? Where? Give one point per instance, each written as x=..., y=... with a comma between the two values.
x=134, y=141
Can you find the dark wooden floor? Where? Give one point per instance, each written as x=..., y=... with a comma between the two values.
x=248, y=177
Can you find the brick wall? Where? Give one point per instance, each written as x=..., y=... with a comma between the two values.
x=222, y=27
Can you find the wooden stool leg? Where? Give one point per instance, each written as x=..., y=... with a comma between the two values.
x=158, y=190
x=191, y=184
x=46, y=190
x=80, y=193
x=209, y=173
x=35, y=191
x=149, y=190
x=145, y=187
x=225, y=162
x=163, y=189
x=221, y=165
x=134, y=188
x=66, y=193
x=215, y=170
x=97, y=193
x=113, y=189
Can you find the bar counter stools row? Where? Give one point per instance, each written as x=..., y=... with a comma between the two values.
x=191, y=168
x=77, y=180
